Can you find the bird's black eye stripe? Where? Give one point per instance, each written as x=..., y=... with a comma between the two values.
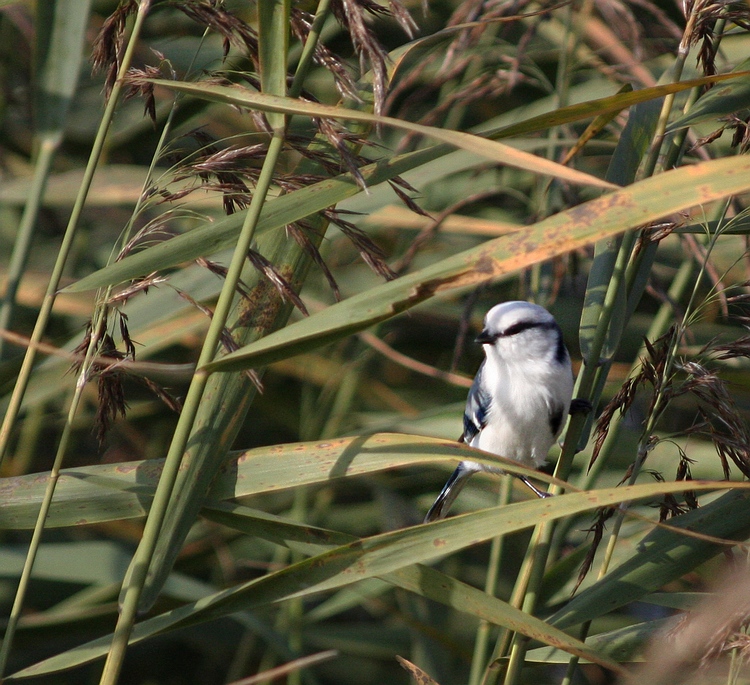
x=522, y=326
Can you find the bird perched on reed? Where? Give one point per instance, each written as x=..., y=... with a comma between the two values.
x=520, y=396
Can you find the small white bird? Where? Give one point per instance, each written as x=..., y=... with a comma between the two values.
x=520, y=396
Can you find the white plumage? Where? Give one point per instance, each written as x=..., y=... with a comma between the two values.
x=520, y=397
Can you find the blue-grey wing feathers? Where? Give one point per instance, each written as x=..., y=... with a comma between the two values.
x=475, y=418
x=477, y=408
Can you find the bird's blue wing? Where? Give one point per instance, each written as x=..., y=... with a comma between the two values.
x=477, y=408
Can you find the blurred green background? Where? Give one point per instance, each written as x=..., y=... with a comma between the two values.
x=465, y=66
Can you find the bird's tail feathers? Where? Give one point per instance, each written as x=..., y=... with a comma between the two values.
x=452, y=488
x=456, y=482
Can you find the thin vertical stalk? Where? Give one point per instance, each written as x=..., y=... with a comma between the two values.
x=36, y=538
x=61, y=27
x=306, y=59
x=29, y=436
x=658, y=327
x=139, y=566
x=295, y=608
x=40, y=327
x=682, y=52
x=643, y=450
x=48, y=302
x=228, y=397
x=22, y=245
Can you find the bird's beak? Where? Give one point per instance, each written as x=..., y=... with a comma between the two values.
x=485, y=338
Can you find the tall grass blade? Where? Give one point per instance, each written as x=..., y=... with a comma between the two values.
x=498, y=152
x=613, y=213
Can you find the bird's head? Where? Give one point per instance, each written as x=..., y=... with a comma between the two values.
x=521, y=331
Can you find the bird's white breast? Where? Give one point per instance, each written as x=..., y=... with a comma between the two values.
x=524, y=396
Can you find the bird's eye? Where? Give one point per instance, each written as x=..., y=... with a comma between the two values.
x=520, y=327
